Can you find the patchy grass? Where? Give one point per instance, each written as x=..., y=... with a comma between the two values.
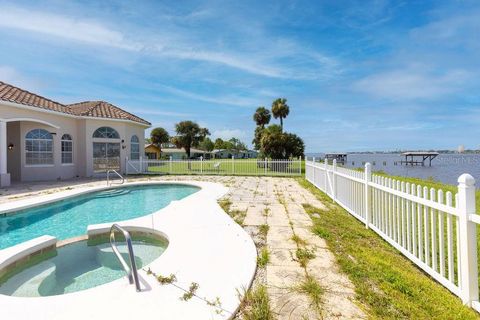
x=303, y=256
x=237, y=215
x=263, y=229
x=256, y=305
x=386, y=283
x=263, y=257
x=312, y=288
x=299, y=241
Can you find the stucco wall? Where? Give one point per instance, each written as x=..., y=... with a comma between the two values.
x=81, y=131
x=14, y=155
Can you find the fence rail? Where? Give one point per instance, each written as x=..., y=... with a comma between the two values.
x=245, y=167
x=435, y=230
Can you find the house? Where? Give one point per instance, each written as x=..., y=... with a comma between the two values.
x=41, y=139
x=237, y=154
x=179, y=154
x=152, y=152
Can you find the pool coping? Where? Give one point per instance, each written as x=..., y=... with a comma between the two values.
x=223, y=262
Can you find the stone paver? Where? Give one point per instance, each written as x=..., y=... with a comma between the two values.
x=278, y=203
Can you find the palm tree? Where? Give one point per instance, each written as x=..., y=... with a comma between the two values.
x=189, y=134
x=262, y=116
x=158, y=136
x=280, y=109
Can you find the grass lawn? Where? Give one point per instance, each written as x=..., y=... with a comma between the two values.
x=243, y=167
x=387, y=284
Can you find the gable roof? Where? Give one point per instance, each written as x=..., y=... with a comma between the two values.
x=14, y=94
x=96, y=109
x=103, y=109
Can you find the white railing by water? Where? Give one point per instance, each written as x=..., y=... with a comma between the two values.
x=245, y=167
x=434, y=229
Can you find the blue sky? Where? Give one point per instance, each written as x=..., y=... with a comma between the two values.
x=358, y=75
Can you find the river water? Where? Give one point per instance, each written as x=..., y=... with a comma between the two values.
x=445, y=168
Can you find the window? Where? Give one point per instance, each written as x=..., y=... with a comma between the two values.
x=39, y=147
x=106, y=133
x=134, y=148
x=67, y=149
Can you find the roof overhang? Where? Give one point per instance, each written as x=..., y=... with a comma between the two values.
x=37, y=109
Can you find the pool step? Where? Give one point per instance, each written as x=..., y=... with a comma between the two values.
x=42, y=276
x=112, y=193
x=107, y=258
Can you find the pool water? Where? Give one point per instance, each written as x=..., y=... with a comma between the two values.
x=78, y=267
x=70, y=217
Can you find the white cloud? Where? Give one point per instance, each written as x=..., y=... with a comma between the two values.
x=64, y=27
x=233, y=100
x=12, y=76
x=174, y=43
x=411, y=83
x=226, y=134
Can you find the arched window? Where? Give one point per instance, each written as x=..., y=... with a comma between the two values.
x=106, y=133
x=67, y=149
x=134, y=148
x=39, y=147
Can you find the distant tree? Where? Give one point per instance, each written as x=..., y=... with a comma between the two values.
x=273, y=142
x=280, y=109
x=276, y=144
x=236, y=144
x=219, y=143
x=257, y=145
x=206, y=144
x=159, y=136
x=262, y=116
x=189, y=134
x=294, y=146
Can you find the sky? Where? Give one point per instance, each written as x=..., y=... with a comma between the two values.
x=358, y=75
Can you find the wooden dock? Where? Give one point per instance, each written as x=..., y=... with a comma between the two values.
x=418, y=158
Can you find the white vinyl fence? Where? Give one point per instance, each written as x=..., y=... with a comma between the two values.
x=435, y=230
x=245, y=167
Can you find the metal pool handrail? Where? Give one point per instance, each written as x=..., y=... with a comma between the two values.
x=131, y=269
x=118, y=174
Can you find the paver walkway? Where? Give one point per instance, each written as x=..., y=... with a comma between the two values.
x=278, y=203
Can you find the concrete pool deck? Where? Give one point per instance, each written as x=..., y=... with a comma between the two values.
x=205, y=246
x=276, y=202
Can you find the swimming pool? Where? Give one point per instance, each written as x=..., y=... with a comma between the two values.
x=70, y=217
x=77, y=267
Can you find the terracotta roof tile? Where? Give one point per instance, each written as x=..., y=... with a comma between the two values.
x=13, y=94
x=102, y=109
x=99, y=109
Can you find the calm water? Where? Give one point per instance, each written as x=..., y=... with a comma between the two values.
x=78, y=266
x=445, y=168
x=70, y=217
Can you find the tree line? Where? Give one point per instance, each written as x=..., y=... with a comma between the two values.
x=271, y=142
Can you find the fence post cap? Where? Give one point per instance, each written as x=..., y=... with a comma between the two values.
x=466, y=179
x=368, y=165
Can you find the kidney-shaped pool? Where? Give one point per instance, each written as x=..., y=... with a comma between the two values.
x=70, y=217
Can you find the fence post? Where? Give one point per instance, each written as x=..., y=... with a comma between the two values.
x=368, y=179
x=468, y=239
x=265, y=166
x=313, y=170
x=170, y=164
x=201, y=165
x=300, y=167
x=334, y=180
x=233, y=165
x=326, y=175
x=141, y=164
x=126, y=165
